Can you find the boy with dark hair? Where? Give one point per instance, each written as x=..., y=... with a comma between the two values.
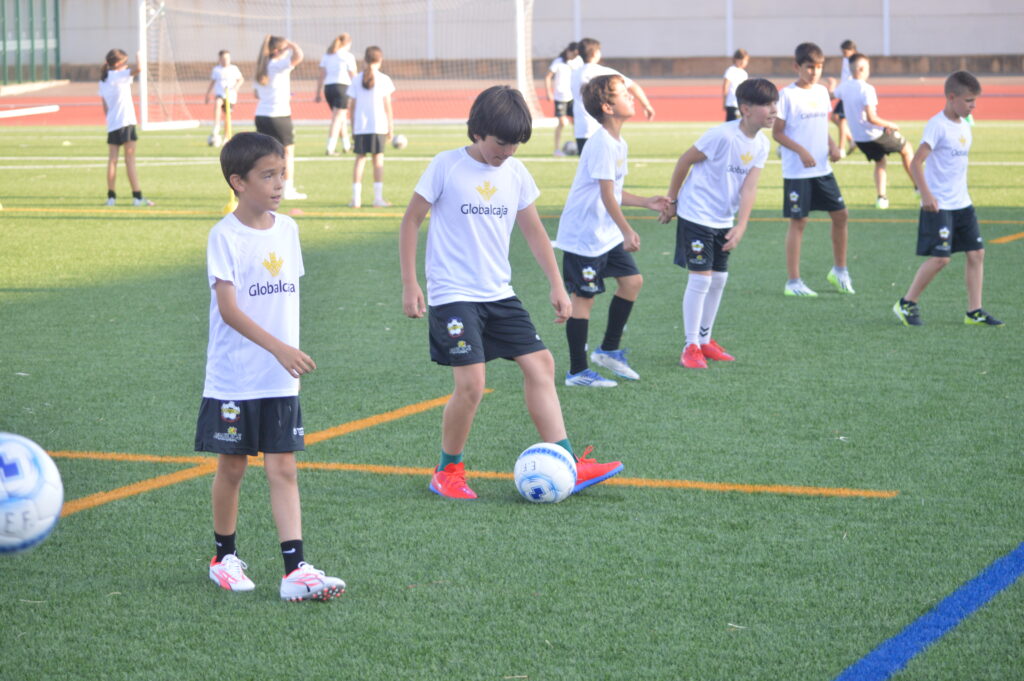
x=734, y=75
x=251, y=395
x=475, y=195
x=874, y=135
x=721, y=171
x=947, y=223
x=596, y=238
x=801, y=129
x=848, y=49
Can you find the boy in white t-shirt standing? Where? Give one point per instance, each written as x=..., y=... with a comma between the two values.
x=475, y=196
x=225, y=81
x=253, y=364
x=721, y=171
x=947, y=223
x=801, y=129
x=873, y=135
x=596, y=238
x=734, y=75
x=848, y=48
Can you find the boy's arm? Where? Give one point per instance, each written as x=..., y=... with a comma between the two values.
x=871, y=114
x=682, y=169
x=413, y=304
x=780, y=136
x=725, y=90
x=748, y=192
x=928, y=200
x=389, y=112
x=641, y=96
x=209, y=89
x=294, y=360
x=320, y=84
x=548, y=85
x=540, y=245
x=631, y=240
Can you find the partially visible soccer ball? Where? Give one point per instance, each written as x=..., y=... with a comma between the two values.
x=545, y=473
x=31, y=493
x=569, y=148
x=399, y=141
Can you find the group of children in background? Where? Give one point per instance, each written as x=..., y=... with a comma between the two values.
x=475, y=195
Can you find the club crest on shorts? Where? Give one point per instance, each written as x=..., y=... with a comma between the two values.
x=944, y=233
x=455, y=327
x=229, y=412
x=794, y=197
x=588, y=273
x=696, y=245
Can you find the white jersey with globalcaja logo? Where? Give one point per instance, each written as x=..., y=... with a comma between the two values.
x=806, y=112
x=710, y=196
x=265, y=266
x=473, y=211
x=945, y=169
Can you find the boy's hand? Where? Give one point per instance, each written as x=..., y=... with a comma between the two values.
x=649, y=112
x=316, y=98
x=413, y=304
x=808, y=160
x=929, y=203
x=667, y=213
x=732, y=238
x=833, y=154
x=563, y=306
x=295, y=361
x=631, y=241
x=657, y=203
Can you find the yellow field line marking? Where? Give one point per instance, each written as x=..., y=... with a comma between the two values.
x=1008, y=238
x=149, y=485
x=209, y=463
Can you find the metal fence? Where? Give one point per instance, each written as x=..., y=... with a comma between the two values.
x=30, y=45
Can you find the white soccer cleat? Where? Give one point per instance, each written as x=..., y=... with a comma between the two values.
x=381, y=203
x=881, y=203
x=229, y=573
x=111, y=202
x=615, y=361
x=142, y=202
x=799, y=289
x=291, y=194
x=841, y=280
x=588, y=378
x=306, y=583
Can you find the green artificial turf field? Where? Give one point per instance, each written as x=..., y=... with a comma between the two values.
x=713, y=560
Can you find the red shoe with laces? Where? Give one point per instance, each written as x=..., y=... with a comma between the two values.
x=590, y=472
x=712, y=350
x=693, y=358
x=451, y=482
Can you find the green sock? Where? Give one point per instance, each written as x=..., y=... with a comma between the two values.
x=449, y=458
x=564, y=444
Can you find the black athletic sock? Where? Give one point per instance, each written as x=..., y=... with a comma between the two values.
x=291, y=551
x=137, y=195
x=576, y=334
x=111, y=194
x=225, y=545
x=618, y=315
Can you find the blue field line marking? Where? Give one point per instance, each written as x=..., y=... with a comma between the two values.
x=894, y=654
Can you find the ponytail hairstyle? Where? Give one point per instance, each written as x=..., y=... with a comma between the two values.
x=374, y=55
x=339, y=42
x=570, y=51
x=270, y=43
x=113, y=58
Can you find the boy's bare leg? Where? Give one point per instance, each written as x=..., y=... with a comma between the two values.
x=840, y=236
x=378, y=167
x=794, y=239
x=924, y=276
x=907, y=157
x=881, y=177
x=974, y=275
x=282, y=474
x=541, y=396
x=113, y=152
x=470, y=381
x=227, y=483
x=129, y=164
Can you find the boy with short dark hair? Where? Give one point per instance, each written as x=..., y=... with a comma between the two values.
x=597, y=239
x=801, y=128
x=251, y=394
x=734, y=75
x=721, y=171
x=947, y=223
x=475, y=196
x=874, y=135
x=839, y=115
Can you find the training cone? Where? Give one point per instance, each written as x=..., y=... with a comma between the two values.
x=230, y=206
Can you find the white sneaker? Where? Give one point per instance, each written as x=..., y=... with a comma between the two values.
x=306, y=583
x=381, y=203
x=841, y=280
x=882, y=202
x=842, y=153
x=346, y=145
x=142, y=202
x=799, y=288
x=355, y=204
x=111, y=202
x=291, y=194
x=589, y=378
x=228, y=574
x=615, y=361
x=559, y=152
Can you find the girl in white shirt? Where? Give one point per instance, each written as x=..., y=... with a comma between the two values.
x=277, y=58
x=373, y=124
x=337, y=69
x=118, y=107
x=558, y=84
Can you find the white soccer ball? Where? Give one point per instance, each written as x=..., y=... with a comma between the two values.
x=569, y=148
x=545, y=473
x=31, y=493
x=399, y=141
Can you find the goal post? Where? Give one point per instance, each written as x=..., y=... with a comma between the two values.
x=440, y=53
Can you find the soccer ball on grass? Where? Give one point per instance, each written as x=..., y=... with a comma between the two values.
x=399, y=141
x=569, y=148
x=545, y=473
x=31, y=493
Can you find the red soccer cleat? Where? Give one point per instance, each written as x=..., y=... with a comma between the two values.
x=712, y=350
x=590, y=472
x=693, y=358
x=451, y=482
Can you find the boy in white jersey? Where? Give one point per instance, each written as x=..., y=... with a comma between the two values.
x=583, y=123
x=947, y=222
x=801, y=129
x=734, y=75
x=596, y=238
x=475, y=195
x=848, y=49
x=874, y=135
x=721, y=171
x=251, y=395
x=225, y=81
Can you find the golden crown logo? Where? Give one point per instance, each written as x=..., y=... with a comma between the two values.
x=273, y=264
x=963, y=141
x=747, y=157
x=487, y=190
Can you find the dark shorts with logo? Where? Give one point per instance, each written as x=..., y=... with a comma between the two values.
x=336, y=95
x=801, y=196
x=948, y=231
x=122, y=135
x=699, y=248
x=563, y=109
x=465, y=332
x=271, y=425
x=278, y=127
x=369, y=144
x=891, y=142
x=584, y=275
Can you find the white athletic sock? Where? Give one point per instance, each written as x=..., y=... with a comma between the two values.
x=711, y=303
x=357, y=193
x=332, y=145
x=378, y=191
x=697, y=286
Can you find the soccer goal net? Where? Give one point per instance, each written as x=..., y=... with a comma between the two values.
x=440, y=53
